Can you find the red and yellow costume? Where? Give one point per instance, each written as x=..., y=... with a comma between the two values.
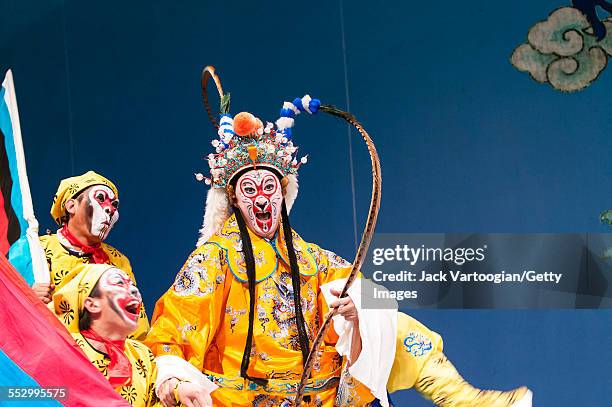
x=64, y=257
x=139, y=391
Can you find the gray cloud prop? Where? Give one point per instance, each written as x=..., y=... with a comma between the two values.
x=563, y=52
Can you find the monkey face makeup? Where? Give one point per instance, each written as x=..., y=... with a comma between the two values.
x=121, y=300
x=259, y=197
x=104, y=210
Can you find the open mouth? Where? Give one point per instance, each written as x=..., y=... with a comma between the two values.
x=263, y=216
x=133, y=308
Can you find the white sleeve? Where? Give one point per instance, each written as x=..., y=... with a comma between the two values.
x=378, y=331
x=169, y=366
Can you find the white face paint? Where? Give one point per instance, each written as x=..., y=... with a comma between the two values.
x=122, y=296
x=259, y=197
x=105, y=210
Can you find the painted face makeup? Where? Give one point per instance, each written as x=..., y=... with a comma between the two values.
x=122, y=295
x=259, y=196
x=105, y=210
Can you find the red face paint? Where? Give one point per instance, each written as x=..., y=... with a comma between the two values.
x=105, y=210
x=259, y=197
x=122, y=295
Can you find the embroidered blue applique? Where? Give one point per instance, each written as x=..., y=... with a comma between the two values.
x=417, y=344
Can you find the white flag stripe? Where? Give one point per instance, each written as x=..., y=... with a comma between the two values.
x=39, y=263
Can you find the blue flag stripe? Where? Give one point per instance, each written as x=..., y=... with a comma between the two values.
x=19, y=253
x=12, y=375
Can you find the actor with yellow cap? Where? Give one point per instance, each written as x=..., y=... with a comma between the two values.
x=100, y=308
x=85, y=207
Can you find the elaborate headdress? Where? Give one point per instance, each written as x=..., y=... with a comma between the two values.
x=245, y=142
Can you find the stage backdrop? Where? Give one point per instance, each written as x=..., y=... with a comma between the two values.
x=468, y=142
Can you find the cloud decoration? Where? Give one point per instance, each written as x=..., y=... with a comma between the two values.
x=563, y=51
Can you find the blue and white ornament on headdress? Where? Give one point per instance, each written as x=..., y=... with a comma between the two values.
x=244, y=142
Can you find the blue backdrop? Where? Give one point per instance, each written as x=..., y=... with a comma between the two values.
x=467, y=143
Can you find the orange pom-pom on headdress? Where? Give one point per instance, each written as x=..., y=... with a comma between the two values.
x=259, y=124
x=244, y=141
x=245, y=123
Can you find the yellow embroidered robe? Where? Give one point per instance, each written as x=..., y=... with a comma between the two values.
x=140, y=392
x=204, y=319
x=62, y=261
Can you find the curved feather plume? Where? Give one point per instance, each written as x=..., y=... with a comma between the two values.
x=366, y=238
x=209, y=73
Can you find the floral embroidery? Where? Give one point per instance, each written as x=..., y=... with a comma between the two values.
x=186, y=283
x=67, y=312
x=83, y=288
x=262, y=315
x=185, y=330
x=336, y=261
x=59, y=276
x=141, y=368
x=193, y=278
x=113, y=252
x=102, y=365
x=153, y=400
x=73, y=188
x=234, y=314
x=129, y=394
x=347, y=394
x=265, y=400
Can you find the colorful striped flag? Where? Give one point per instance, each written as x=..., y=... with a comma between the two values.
x=18, y=226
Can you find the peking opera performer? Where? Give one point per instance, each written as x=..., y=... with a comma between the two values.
x=248, y=302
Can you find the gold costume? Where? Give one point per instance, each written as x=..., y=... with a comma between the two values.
x=63, y=266
x=140, y=392
x=203, y=318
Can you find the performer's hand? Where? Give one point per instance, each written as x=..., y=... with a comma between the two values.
x=166, y=392
x=192, y=395
x=345, y=306
x=43, y=291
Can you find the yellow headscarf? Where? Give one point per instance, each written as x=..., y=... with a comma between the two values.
x=70, y=187
x=68, y=300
